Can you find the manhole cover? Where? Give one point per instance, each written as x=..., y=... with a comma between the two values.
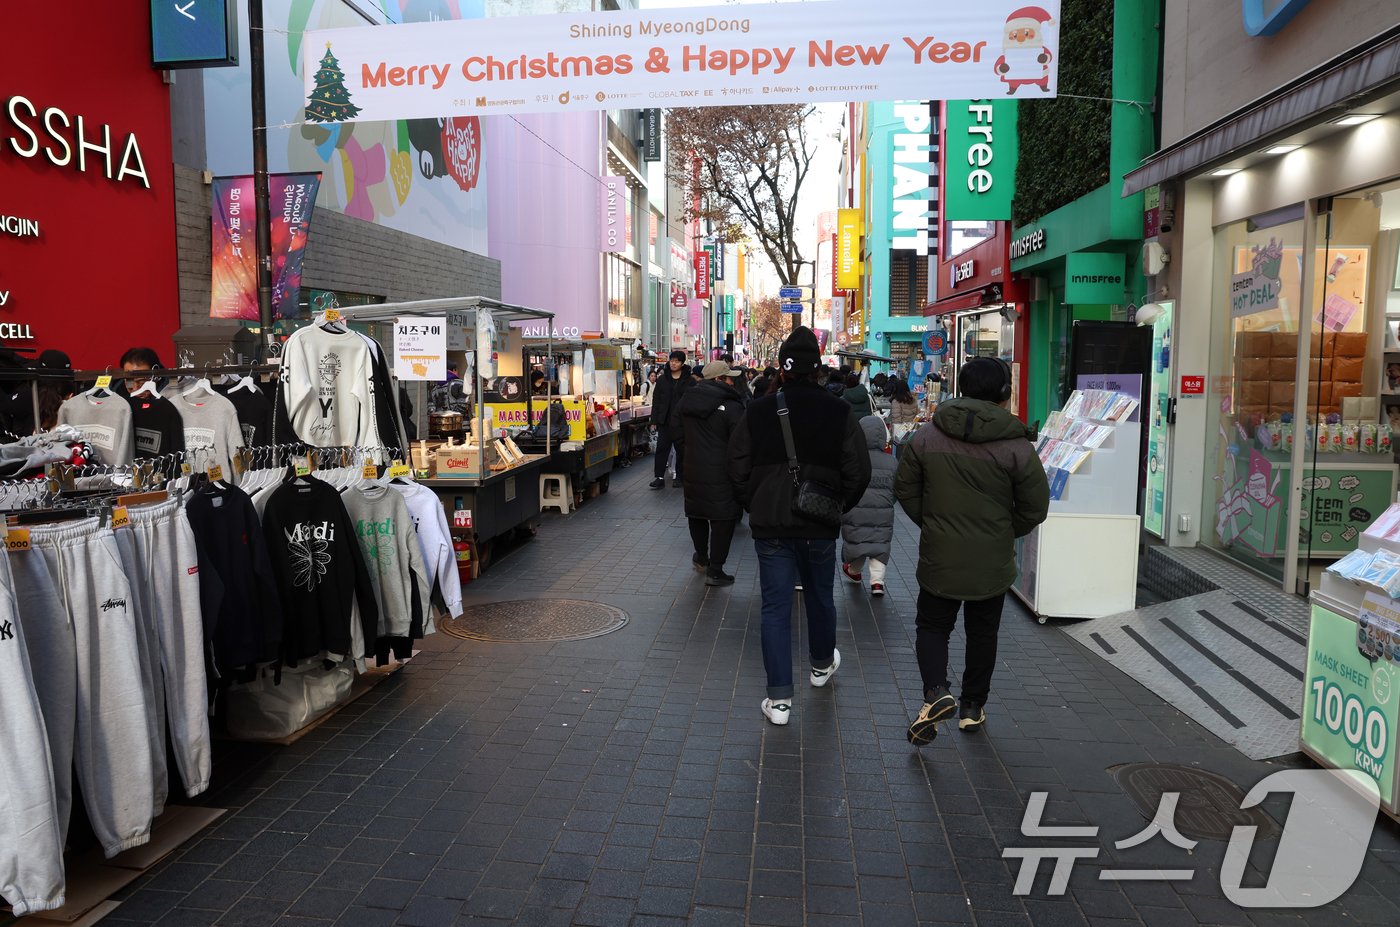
x=524, y=620
x=1209, y=806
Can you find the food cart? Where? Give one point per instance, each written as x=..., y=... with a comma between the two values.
x=488, y=484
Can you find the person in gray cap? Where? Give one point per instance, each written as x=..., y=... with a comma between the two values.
x=709, y=413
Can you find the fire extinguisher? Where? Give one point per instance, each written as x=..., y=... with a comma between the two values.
x=466, y=556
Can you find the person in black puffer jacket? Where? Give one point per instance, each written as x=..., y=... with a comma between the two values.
x=671, y=385
x=793, y=549
x=709, y=414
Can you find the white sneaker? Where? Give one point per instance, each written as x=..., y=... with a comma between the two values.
x=777, y=710
x=821, y=677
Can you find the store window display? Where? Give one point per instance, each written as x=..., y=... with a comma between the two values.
x=1338, y=303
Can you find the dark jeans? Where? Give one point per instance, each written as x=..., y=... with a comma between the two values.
x=981, y=620
x=782, y=564
x=665, y=440
x=712, y=539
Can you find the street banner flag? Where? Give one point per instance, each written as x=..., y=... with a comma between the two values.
x=830, y=50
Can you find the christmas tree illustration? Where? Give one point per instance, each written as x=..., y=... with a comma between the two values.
x=330, y=101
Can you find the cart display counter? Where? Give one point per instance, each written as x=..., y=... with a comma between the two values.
x=500, y=504
x=584, y=462
x=634, y=431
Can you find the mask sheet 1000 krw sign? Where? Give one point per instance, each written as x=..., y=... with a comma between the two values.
x=837, y=50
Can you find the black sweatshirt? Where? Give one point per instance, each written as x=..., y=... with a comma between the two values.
x=157, y=426
x=254, y=414
x=320, y=571
x=238, y=593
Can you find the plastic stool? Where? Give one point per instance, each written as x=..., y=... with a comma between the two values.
x=556, y=492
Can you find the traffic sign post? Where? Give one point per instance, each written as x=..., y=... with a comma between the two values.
x=793, y=308
x=790, y=293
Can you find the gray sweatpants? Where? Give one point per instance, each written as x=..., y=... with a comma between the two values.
x=169, y=570
x=117, y=782
x=152, y=681
x=31, y=844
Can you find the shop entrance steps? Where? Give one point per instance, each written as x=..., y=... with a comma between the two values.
x=1226, y=663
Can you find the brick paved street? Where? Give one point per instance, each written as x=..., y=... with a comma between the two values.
x=631, y=779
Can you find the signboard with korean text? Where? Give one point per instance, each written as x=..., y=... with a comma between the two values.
x=696, y=56
x=980, y=159
x=420, y=349
x=234, y=287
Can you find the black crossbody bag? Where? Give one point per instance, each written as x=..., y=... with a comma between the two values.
x=810, y=498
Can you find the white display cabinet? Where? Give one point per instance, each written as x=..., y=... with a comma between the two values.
x=1082, y=562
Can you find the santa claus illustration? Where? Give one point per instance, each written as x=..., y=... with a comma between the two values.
x=1025, y=59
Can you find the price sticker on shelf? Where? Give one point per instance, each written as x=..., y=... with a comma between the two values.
x=17, y=539
x=104, y=382
x=398, y=469
x=370, y=472
x=120, y=517
x=216, y=473
x=301, y=466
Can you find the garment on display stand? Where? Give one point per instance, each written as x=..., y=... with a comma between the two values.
x=394, y=561
x=212, y=432
x=327, y=380
x=435, y=539
x=105, y=423
x=156, y=426
x=253, y=409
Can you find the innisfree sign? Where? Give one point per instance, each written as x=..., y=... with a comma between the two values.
x=696, y=56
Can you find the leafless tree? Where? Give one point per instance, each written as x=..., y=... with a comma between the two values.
x=744, y=167
x=767, y=327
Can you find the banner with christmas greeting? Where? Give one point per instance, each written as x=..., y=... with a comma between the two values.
x=234, y=291
x=700, y=56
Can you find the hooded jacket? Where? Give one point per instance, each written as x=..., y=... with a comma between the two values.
x=830, y=450
x=859, y=398
x=666, y=398
x=709, y=414
x=971, y=480
x=867, y=529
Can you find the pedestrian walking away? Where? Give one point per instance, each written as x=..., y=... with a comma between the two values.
x=867, y=529
x=671, y=384
x=971, y=480
x=858, y=396
x=709, y=414
x=793, y=547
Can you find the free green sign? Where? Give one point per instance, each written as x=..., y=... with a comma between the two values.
x=980, y=160
x=1350, y=704
x=1094, y=278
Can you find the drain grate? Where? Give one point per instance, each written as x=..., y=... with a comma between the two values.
x=1209, y=806
x=535, y=620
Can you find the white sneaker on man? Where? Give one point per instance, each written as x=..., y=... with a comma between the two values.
x=777, y=710
x=821, y=677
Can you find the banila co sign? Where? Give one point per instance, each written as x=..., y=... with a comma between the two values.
x=1268, y=17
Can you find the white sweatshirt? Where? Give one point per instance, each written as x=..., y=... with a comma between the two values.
x=212, y=432
x=328, y=377
x=435, y=537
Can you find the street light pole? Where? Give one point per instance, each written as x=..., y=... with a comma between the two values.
x=261, y=196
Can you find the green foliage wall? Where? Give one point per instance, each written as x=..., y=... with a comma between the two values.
x=1065, y=141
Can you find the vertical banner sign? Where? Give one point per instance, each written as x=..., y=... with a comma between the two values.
x=696, y=56
x=611, y=214
x=849, y=229
x=234, y=289
x=1154, y=515
x=912, y=164
x=420, y=349
x=702, y=273
x=696, y=317
x=718, y=263
x=651, y=134
x=980, y=160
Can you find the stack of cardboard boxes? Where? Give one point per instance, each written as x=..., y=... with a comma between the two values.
x=1266, y=367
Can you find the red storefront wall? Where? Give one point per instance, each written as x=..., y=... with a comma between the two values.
x=100, y=274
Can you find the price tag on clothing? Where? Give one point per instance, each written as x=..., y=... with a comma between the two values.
x=17, y=539
x=216, y=474
x=332, y=315
x=371, y=472
x=301, y=466
x=104, y=382
x=120, y=518
x=398, y=469
x=186, y=469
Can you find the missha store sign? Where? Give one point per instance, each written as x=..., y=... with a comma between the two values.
x=87, y=224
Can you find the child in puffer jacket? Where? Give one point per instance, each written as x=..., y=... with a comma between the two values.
x=867, y=529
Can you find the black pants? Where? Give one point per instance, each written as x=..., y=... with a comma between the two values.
x=712, y=539
x=935, y=620
x=665, y=440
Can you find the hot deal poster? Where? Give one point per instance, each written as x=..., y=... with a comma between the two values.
x=234, y=294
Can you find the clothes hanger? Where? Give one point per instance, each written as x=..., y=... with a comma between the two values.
x=100, y=386
x=201, y=385
x=148, y=388
x=246, y=381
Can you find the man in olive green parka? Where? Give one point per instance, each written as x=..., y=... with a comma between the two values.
x=971, y=480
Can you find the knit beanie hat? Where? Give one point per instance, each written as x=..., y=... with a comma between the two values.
x=800, y=353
